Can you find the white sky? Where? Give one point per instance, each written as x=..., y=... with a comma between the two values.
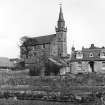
x=85, y=20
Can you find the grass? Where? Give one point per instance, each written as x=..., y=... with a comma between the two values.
x=22, y=81
x=75, y=84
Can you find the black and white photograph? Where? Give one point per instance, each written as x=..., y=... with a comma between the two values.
x=52, y=52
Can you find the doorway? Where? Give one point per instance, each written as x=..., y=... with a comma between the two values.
x=91, y=63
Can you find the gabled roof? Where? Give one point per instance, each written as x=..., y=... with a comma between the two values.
x=96, y=51
x=39, y=40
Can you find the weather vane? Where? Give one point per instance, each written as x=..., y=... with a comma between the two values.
x=60, y=2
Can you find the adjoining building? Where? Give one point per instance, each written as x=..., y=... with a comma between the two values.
x=88, y=60
x=54, y=45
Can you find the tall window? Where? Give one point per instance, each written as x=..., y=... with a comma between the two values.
x=43, y=45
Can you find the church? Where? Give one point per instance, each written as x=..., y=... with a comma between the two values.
x=53, y=46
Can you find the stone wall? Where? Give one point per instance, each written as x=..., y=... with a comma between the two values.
x=80, y=67
x=84, y=67
x=54, y=47
x=61, y=43
x=35, y=50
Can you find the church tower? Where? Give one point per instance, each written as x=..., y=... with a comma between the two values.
x=61, y=31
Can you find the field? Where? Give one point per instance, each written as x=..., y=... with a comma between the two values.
x=80, y=84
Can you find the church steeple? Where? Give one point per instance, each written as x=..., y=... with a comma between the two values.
x=61, y=14
x=61, y=21
x=61, y=31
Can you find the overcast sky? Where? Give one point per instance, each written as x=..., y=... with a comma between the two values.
x=85, y=20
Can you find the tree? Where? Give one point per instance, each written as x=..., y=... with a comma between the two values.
x=25, y=48
x=39, y=64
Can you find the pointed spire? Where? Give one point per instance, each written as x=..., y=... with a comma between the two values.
x=61, y=22
x=61, y=14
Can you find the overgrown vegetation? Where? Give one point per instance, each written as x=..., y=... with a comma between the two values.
x=78, y=85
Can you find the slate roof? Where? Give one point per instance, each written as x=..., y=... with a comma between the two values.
x=86, y=54
x=39, y=40
x=58, y=61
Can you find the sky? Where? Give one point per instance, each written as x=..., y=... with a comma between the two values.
x=85, y=21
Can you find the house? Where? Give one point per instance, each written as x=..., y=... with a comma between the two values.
x=90, y=59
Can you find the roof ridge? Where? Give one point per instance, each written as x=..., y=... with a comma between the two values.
x=40, y=39
x=43, y=36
